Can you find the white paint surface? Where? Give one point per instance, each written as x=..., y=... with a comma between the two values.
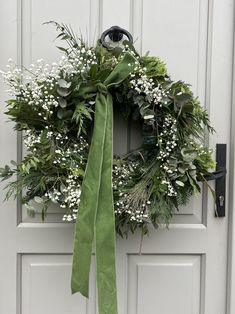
x=181, y=270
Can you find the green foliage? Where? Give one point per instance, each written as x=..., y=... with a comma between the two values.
x=56, y=109
x=82, y=111
x=154, y=66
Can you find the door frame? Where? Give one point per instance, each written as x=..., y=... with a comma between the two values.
x=231, y=200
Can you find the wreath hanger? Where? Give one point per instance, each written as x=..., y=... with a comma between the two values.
x=115, y=33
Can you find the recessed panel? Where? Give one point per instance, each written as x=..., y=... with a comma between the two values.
x=115, y=13
x=38, y=40
x=176, y=31
x=46, y=287
x=164, y=284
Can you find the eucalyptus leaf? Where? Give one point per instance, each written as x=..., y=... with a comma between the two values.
x=173, y=161
x=183, y=98
x=181, y=170
x=62, y=102
x=62, y=187
x=192, y=173
x=64, y=114
x=188, y=155
x=148, y=114
x=195, y=186
x=38, y=200
x=64, y=84
x=180, y=183
x=63, y=91
x=184, y=178
x=31, y=212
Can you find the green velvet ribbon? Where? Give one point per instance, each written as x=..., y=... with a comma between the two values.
x=95, y=219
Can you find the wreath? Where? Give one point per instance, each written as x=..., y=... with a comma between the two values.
x=65, y=111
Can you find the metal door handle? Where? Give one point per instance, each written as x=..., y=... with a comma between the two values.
x=220, y=179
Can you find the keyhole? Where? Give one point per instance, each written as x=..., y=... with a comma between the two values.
x=221, y=200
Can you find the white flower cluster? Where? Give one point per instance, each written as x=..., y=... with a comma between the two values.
x=72, y=194
x=167, y=139
x=64, y=156
x=37, y=84
x=68, y=197
x=138, y=214
x=13, y=77
x=145, y=85
x=170, y=189
x=202, y=151
x=37, y=88
x=80, y=60
x=122, y=174
x=167, y=142
x=128, y=48
x=32, y=138
x=141, y=214
x=26, y=83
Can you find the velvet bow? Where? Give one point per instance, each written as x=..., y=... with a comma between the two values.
x=95, y=219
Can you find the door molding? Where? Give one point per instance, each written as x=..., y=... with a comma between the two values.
x=231, y=203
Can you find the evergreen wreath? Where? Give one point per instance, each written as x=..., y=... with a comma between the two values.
x=55, y=104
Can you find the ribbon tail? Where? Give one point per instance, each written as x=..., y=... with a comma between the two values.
x=105, y=224
x=96, y=210
x=86, y=218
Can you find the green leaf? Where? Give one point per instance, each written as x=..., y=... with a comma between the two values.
x=180, y=183
x=192, y=173
x=130, y=45
x=93, y=70
x=87, y=90
x=184, y=178
x=62, y=187
x=31, y=212
x=188, y=155
x=62, y=49
x=148, y=114
x=155, y=67
x=181, y=170
x=38, y=200
x=78, y=172
x=14, y=163
x=102, y=75
x=64, y=114
x=194, y=185
x=64, y=84
x=81, y=113
x=62, y=102
x=183, y=98
x=63, y=91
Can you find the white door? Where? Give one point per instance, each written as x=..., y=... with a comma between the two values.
x=182, y=270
